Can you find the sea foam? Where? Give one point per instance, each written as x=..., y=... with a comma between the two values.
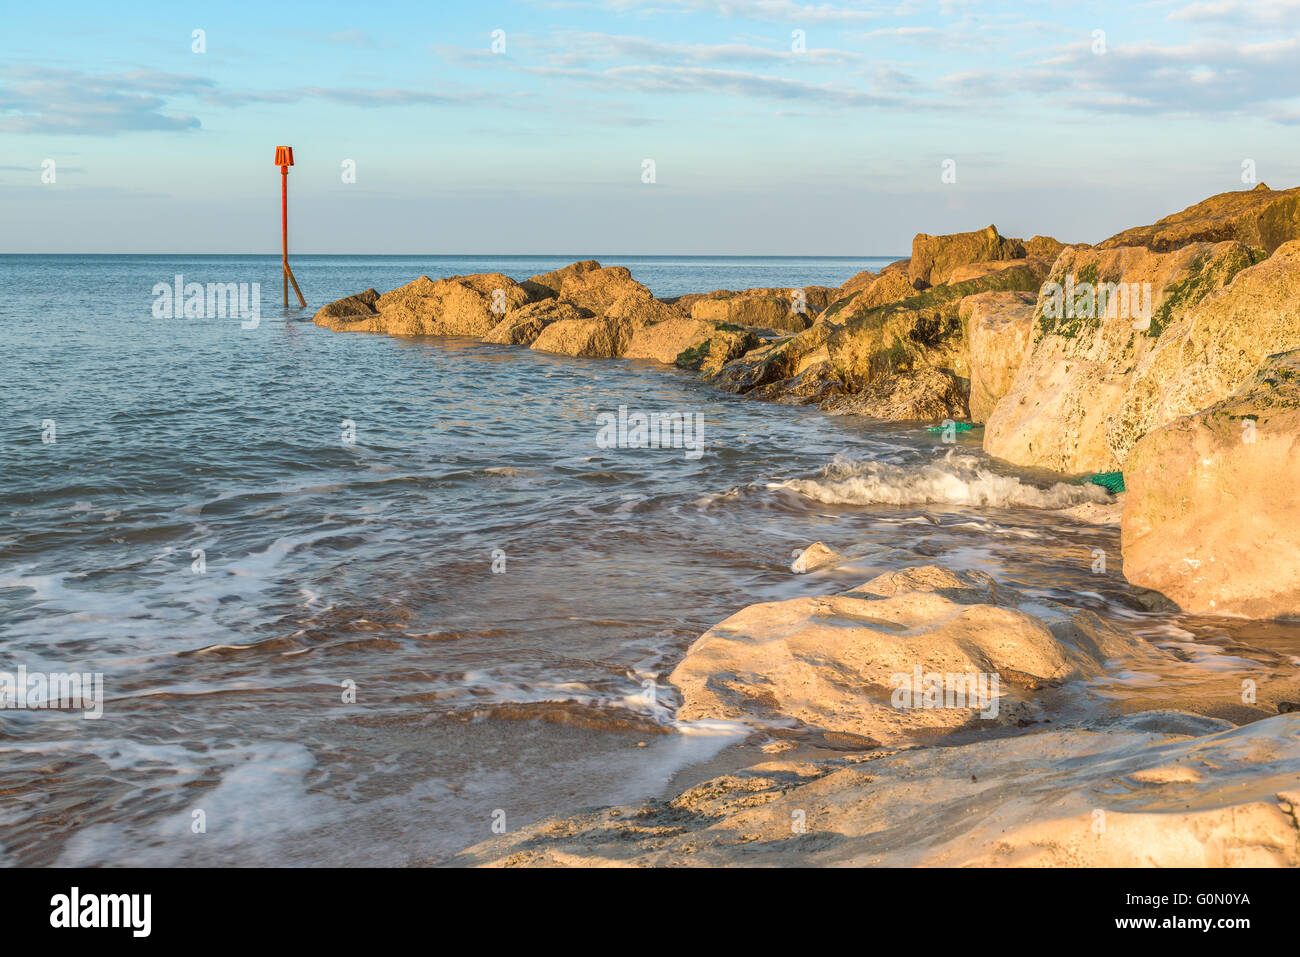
x=954, y=479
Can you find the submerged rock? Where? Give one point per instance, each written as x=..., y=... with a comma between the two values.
x=1212, y=515
x=815, y=556
x=839, y=663
x=360, y=305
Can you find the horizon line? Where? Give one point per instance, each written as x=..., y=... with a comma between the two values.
x=580, y=257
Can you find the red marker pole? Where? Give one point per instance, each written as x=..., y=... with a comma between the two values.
x=284, y=159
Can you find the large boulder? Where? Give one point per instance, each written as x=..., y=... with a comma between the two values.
x=1044, y=247
x=856, y=283
x=921, y=331
x=998, y=326
x=457, y=306
x=760, y=308
x=547, y=285
x=1213, y=348
x=1260, y=218
x=712, y=343
x=890, y=286
x=1083, y=353
x=773, y=363
x=923, y=395
x=979, y=270
x=836, y=664
x=934, y=258
x=1212, y=514
x=611, y=291
x=352, y=308
x=522, y=325
x=599, y=337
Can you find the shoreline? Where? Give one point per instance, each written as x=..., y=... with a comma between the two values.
x=968, y=331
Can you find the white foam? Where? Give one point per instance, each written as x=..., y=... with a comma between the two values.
x=954, y=479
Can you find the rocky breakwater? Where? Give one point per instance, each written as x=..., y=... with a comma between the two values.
x=893, y=345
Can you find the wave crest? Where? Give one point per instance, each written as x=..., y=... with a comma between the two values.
x=955, y=479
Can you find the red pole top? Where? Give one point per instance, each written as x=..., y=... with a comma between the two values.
x=284, y=156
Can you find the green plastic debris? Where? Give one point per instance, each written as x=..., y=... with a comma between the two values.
x=1110, y=481
x=956, y=427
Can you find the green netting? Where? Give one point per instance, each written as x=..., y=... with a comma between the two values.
x=956, y=427
x=1110, y=481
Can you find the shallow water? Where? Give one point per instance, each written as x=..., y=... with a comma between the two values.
x=505, y=595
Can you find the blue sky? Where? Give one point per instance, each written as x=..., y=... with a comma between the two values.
x=759, y=148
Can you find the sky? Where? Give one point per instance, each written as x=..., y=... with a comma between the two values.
x=774, y=127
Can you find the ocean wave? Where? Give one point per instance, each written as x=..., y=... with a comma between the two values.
x=954, y=479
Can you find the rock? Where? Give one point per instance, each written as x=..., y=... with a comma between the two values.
x=1061, y=798
x=599, y=337
x=889, y=286
x=1044, y=247
x=923, y=395
x=1259, y=218
x=1081, y=361
x=815, y=382
x=922, y=331
x=637, y=309
x=458, y=306
x=666, y=341
x=859, y=281
x=611, y=291
x=978, y=270
x=1204, y=355
x=837, y=663
x=935, y=257
x=771, y=364
x=523, y=325
x=361, y=305
x=998, y=326
x=723, y=344
x=815, y=556
x=1212, y=515
x=759, y=309
x=547, y=285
